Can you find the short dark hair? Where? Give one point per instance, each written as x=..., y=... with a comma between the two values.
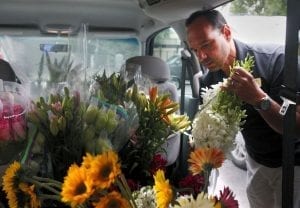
x=213, y=16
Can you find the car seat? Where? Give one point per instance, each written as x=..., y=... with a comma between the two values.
x=159, y=73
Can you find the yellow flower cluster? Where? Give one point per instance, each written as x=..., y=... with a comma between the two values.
x=15, y=189
x=95, y=175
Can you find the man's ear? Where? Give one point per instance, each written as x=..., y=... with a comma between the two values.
x=226, y=30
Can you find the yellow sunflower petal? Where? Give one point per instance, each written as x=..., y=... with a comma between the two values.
x=104, y=169
x=77, y=187
x=113, y=199
x=163, y=190
x=29, y=190
x=87, y=161
x=10, y=186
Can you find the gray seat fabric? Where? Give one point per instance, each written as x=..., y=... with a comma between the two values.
x=159, y=73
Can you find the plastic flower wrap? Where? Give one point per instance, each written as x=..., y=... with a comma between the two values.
x=157, y=121
x=13, y=127
x=220, y=116
x=152, y=118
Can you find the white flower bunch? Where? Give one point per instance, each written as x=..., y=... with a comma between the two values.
x=145, y=197
x=221, y=115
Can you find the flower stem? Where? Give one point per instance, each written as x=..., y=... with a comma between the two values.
x=41, y=185
x=48, y=181
x=48, y=196
x=206, y=174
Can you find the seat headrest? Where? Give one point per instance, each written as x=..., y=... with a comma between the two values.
x=155, y=68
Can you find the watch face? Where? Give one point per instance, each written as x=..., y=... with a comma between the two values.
x=265, y=104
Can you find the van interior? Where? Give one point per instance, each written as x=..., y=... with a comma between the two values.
x=86, y=37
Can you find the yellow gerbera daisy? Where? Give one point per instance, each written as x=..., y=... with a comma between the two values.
x=29, y=190
x=113, y=200
x=163, y=190
x=10, y=185
x=205, y=158
x=77, y=187
x=104, y=169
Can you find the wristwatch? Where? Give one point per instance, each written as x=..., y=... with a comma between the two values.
x=264, y=104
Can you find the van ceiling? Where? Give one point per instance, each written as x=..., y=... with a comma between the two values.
x=109, y=14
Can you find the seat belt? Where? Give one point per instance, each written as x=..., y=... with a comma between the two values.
x=290, y=98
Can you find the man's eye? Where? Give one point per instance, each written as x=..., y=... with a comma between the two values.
x=194, y=50
x=206, y=45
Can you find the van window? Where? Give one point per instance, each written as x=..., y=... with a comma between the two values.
x=167, y=46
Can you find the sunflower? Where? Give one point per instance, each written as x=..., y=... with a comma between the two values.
x=87, y=161
x=10, y=184
x=112, y=200
x=104, y=169
x=29, y=190
x=77, y=187
x=163, y=190
x=203, y=159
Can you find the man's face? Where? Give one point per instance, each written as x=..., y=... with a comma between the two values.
x=210, y=45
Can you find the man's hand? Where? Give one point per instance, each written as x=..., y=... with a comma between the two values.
x=243, y=84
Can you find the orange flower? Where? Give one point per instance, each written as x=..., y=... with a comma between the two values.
x=153, y=94
x=203, y=159
x=77, y=187
x=104, y=169
x=113, y=199
x=29, y=190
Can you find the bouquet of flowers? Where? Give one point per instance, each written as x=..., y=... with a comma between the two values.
x=218, y=120
x=13, y=128
x=220, y=116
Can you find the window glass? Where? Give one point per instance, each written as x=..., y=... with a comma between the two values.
x=167, y=47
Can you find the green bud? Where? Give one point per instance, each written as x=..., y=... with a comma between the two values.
x=102, y=145
x=54, y=126
x=89, y=133
x=90, y=115
x=101, y=120
x=62, y=123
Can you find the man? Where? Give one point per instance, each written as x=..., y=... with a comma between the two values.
x=211, y=39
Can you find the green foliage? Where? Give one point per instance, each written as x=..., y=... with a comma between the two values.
x=259, y=7
x=112, y=89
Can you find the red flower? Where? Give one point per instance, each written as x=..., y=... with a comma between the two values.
x=158, y=162
x=227, y=199
x=195, y=182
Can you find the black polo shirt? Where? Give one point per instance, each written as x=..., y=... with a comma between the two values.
x=263, y=144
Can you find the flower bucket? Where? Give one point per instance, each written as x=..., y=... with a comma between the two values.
x=13, y=128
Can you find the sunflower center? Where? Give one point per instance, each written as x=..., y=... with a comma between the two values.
x=80, y=189
x=113, y=204
x=106, y=170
